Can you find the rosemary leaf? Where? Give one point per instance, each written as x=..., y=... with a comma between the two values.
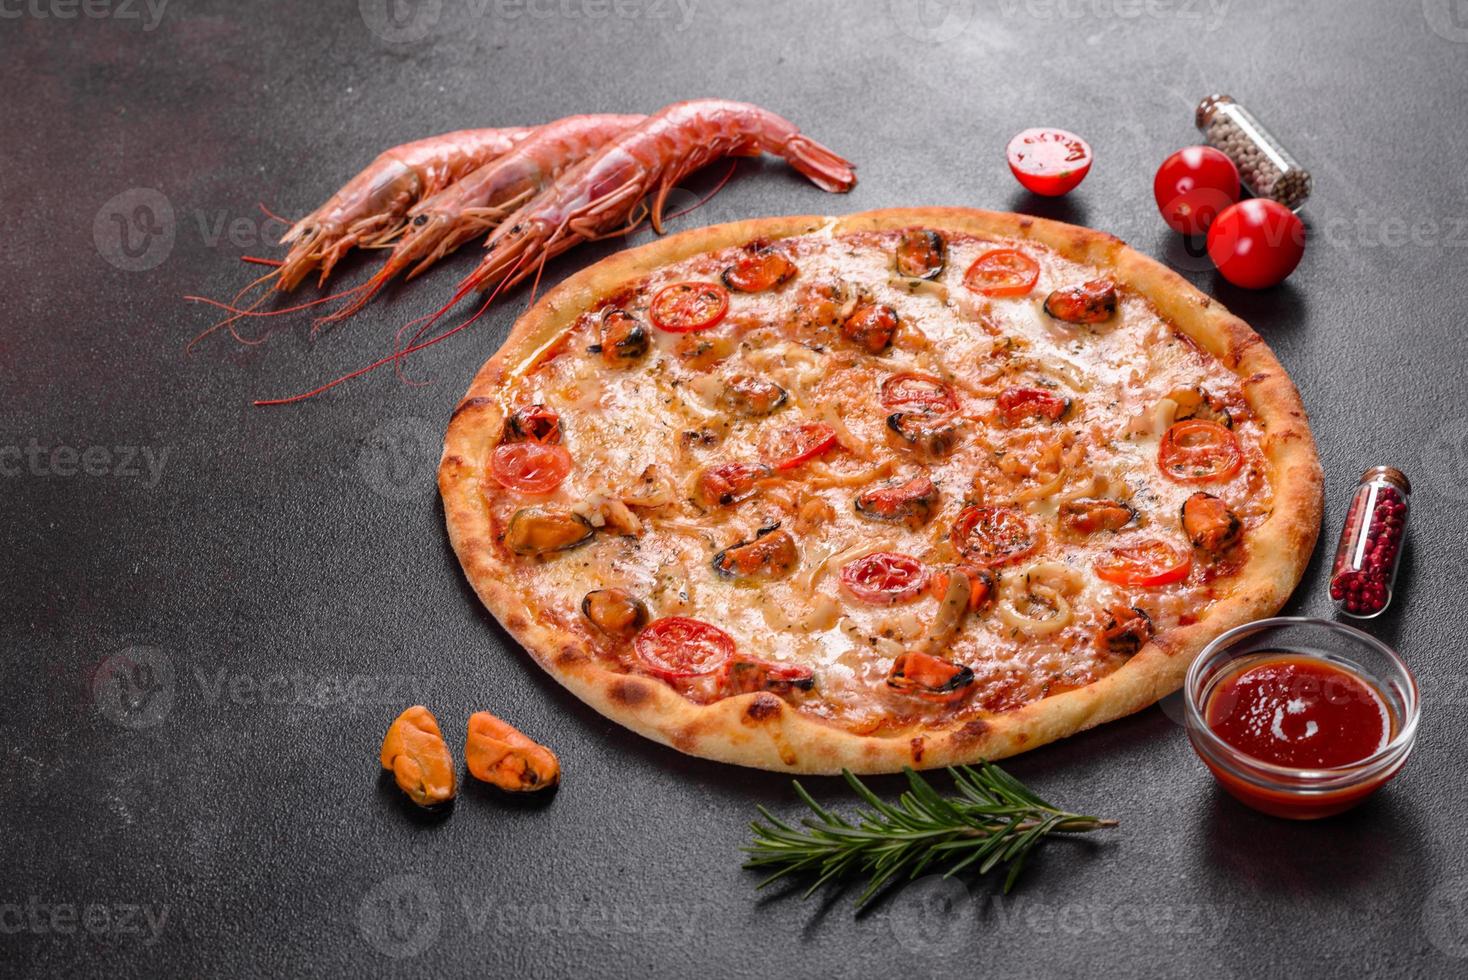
x=993, y=820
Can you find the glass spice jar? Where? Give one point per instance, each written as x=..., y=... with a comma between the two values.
x=1266, y=167
x=1370, y=551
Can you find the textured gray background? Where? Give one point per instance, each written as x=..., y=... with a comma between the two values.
x=289, y=572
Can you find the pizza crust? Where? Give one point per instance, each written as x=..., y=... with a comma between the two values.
x=762, y=730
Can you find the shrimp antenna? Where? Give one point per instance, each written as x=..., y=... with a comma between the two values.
x=398, y=354
x=272, y=215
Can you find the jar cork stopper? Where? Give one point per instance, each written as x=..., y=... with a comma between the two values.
x=1390, y=474
x=1204, y=114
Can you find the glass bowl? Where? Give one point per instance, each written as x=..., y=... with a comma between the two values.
x=1302, y=794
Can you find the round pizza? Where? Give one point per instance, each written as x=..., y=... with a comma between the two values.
x=912, y=487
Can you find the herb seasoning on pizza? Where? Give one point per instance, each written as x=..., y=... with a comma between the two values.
x=911, y=487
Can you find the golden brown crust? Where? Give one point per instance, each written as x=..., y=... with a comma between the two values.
x=762, y=730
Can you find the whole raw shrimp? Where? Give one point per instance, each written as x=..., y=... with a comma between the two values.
x=371, y=207
x=439, y=224
x=597, y=197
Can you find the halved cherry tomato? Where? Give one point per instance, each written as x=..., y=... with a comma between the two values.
x=754, y=272
x=1196, y=451
x=677, y=646
x=1145, y=565
x=688, y=306
x=1019, y=405
x=884, y=578
x=1049, y=161
x=729, y=483
x=530, y=467
x=1002, y=272
x=913, y=392
x=992, y=535
x=788, y=448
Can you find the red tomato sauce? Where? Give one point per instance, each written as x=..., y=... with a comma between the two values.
x=1299, y=712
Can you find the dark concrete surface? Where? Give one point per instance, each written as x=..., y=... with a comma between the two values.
x=280, y=582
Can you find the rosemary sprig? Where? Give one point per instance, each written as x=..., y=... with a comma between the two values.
x=994, y=819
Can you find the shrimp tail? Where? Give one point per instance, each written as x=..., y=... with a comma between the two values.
x=826, y=169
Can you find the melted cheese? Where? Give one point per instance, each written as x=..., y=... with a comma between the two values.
x=630, y=429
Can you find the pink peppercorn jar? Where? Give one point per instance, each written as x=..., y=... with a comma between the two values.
x=1370, y=551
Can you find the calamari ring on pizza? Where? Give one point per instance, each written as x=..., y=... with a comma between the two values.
x=908, y=487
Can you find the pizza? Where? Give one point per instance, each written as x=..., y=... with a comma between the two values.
x=911, y=487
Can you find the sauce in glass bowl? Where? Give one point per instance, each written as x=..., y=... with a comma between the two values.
x=1301, y=712
x=1301, y=718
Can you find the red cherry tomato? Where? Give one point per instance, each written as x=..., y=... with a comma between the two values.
x=1196, y=451
x=1049, y=161
x=913, y=392
x=1020, y=405
x=1002, y=272
x=677, y=646
x=884, y=578
x=1256, y=243
x=688, y=306
x=790, y=447
x=530, y=467
x=1145, y=565
x=1192, y=186
x=992, y=535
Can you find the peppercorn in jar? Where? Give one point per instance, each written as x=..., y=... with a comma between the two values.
x=1266, y=168
x=1370, y=550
